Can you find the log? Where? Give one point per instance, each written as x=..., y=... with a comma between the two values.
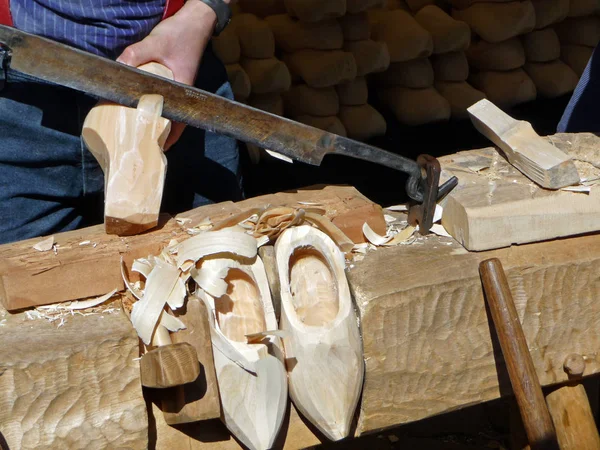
x=331, y=123
x=405, y=38
x=322, y=342
x=496, y=22
x=370, y=56
x=292, y=35
x=450, y=66
x=362, y=122
x=255, y=36
x=576, y=57
x=579, y=31
x=262, y=8
x=128, y=144
x=315, y=10
x=272, y=103
x=355, y=27
x=416, y=106
x=548, y=12
x=505, y=89
x=353, y=93
x=417, y=73
x=322, y=68
x=552, y=79
x=227, y=46
x=302, y=99
x=506, y=55
x=267, y=76
x=73, y=386
x=580, y=8
x=535, y=158
x=541, y=45
x=460, y=95
x=523, y=211
x=449, y=35
x=240, y=83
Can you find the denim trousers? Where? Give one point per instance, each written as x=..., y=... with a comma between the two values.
x=50, y=182
x=583, y=111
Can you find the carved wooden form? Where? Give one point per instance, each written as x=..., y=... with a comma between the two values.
x=128, y=145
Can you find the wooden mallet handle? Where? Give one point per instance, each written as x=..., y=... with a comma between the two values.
x=523, y=378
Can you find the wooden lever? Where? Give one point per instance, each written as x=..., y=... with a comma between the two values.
x=128, y=143
x=523, y=378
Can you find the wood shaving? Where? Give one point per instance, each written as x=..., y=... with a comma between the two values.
x=183, y=220
x=171, y=323
x=213, y=242
x=279, y=156
x=257, y=338
x=82, y=243
x=398, y=208
x=45, y=245
x=80, y=304
x=373, y=237
x=581, y=189
x=402, y=237
x=388, y=218
x=440, y=230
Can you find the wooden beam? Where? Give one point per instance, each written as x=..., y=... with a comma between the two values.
x=73, y=386
x=495, y=205
x=87, y=261
x=528, y=152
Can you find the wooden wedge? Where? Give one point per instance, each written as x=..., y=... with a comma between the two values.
x=128, y=143
x=524, y=149
x=324, y=354
x=250, y=372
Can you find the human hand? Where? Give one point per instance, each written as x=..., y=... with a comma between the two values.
x=178, y=43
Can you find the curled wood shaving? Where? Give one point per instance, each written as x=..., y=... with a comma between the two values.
x=210, y=277
x=45, y=245
x=327, y=226
x=373, y=237
x=171, y=323
x=239, y=218
x=79, y=304
x=213, y=242
x=440, y=230
x=402, y=237
x=257, y=338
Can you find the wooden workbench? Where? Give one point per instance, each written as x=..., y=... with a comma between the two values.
x=427, y=341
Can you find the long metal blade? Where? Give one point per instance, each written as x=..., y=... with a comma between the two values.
x=82, y=71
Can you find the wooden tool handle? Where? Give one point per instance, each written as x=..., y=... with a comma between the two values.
x=523, y=378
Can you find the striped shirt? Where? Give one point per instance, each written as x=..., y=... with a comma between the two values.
x=103, y=27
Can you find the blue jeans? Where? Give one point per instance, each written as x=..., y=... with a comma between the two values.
x=583, y=111
x=49, y=181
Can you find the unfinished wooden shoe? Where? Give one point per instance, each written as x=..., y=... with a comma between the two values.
x=248, y=358
x=127, y=142
x=324, y=354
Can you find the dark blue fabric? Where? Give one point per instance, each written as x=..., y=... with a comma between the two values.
x=582, y=113
x=103, y=27
x=49, y=181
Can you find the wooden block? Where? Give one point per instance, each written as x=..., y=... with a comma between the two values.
x=405, y=38
x=332, y=123
x=576, y=57
x=416, y=106
x=262, y=8
x=580, y=8
x=552, y=79
x=362, y=122
x=267, y=75
x=460, y=94
x=449, y=35
x=505, y=89
x=272, y=103
x=315, y=10
x=255, y=36
x=292, y=35
x=579, y=31
x=77, y=386
x=198, y=400
x=355, y=27
x=302, y=99
x=357, y=6
x=240, y=83
x=370, y=56
x=227, y=46
x=450, y=66
x=426, y=333
x=322, y=68
x=513, y=210
x=496, y=22
x=524, y=149
x=548, y=12
x=353, y=93
x=506, y=55
x=352, y=221
x=169, y=365
x=417, y=73
x=541, y=45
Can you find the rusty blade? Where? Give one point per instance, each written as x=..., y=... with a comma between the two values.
x=57, y=63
